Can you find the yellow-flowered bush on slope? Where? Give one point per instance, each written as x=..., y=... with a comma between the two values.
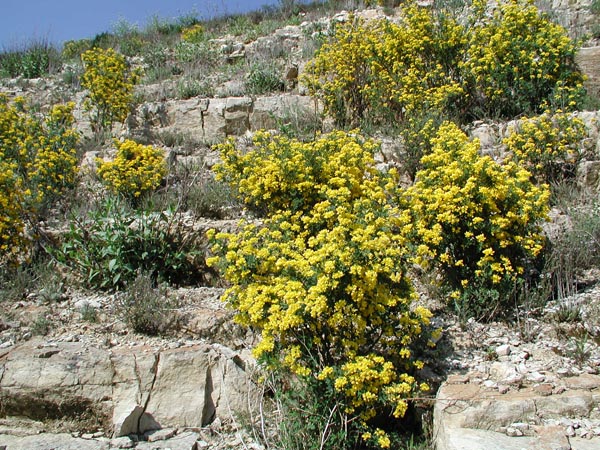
x=549, y=145
x=476, y=220
x=323, y=276
x=135, y=170
x=388, y=71
x=193, y=34
x=518, y=61
x=110, y=82
x=500, y=64
x=38, y=163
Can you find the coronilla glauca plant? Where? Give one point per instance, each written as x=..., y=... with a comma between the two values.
x=110, y=82
x=323, y=277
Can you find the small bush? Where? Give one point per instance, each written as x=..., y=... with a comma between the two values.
x=109, y=246
x=187, y=88
x=135, y=170
x=110, y=82
x=146, y=309
x=418, y=133
x=475, y=220
x=32, y=61
x=41, y=326
x=38, y=276
x=210, y=198
x=299, y=123
x=202, y=53
x=88, y=313
x=548, y=146
x=263, y=79
x=74, y=49
x=576, y=250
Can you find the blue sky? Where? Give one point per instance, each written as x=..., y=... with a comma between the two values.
x=56, y=21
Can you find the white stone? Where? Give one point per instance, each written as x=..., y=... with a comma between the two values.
x=503, y=350
x=513, y=432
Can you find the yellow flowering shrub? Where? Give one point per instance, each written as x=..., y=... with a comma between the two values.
x=388, y=71
x=135, y=170
x=501, y=63
x=548, y=145
x=110, y=82
x=193, y=34
x=476, y=220
x=12, y=239
x=323, y=275
x=518, y=61
x=38, y=162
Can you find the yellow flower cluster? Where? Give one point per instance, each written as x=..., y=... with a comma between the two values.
x=193, y=34
x=548, y=145
x=288, y=175
x=135, y=170
x=110, y=82
x=37, y=164
x=385, y=70
x=11, y=223
x=501, y=63
x=475, y=219
x=323, y=276
x=518, y=60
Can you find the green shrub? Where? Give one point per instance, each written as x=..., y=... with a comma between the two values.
x=418, y=133
x=202, y=53
x=574, y=251
x=74, y=49
x=187, y=88
x=475, y=220
x=32, y=61
x=323, y=276
x=110, y=82
x=88, y=313
x=549, y=146
x=263, y=79
x=109, y=246
x=146, y=309
x=41, y=326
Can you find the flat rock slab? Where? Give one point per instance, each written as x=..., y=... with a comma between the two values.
x=129, y=390
x=469, y=416
x=61, y=441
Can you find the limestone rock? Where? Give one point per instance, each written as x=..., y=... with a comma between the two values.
x=43, y=441
x=136, y=388
x=588, y=60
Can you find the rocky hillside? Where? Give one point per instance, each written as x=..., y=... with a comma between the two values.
x=113, y=333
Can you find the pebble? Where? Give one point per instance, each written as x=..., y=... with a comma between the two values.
x=536, y=377
x=7, y=344
x=513, y=432
x=503, y=389
x=122, y=442
x=160, y=435
x=503, y=350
